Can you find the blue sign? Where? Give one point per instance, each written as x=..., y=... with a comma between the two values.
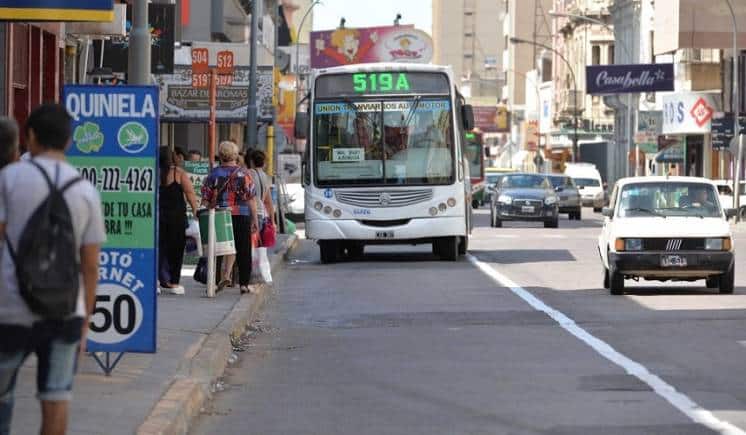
x=115, y=147
x=57, y=10
x=619, y=79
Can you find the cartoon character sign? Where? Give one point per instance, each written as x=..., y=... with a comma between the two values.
x=346, y=46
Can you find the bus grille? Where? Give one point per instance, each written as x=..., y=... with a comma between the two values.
x=384, y=198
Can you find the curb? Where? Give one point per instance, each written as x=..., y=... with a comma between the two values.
x=187, y=394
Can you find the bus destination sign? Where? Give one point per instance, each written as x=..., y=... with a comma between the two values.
x=378, y=83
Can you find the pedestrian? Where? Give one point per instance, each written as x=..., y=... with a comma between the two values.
x=174, y=191
x=52, y=320
x=230, y=186
x=179, y=156
x=195, y=156
x=8, y=141
x=256, y=160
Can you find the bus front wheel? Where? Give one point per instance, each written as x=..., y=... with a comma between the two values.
x=329, y=251
x=447, y=248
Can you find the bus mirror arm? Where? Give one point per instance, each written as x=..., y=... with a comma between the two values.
x=301, y=125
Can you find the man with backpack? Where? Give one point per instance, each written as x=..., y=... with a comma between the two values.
x=52, y=229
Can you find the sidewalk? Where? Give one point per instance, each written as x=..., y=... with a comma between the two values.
x=162, y=388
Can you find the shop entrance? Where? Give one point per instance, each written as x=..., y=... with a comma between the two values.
x=694, y=156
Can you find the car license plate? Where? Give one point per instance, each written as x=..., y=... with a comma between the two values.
x=384, y=234
x=673, y=261
x=527, y=209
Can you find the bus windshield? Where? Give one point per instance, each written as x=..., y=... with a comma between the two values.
x=387, y=141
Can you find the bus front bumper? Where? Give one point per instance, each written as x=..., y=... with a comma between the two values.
x=399, y=231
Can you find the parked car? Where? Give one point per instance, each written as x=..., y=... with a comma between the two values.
x=568, y=194
x=589, y=183
x=524, y=197
x=294, y=202
x=666, y=228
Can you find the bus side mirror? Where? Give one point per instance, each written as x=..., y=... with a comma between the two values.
x=730, y=213
x=301, y=125
x=467, y=115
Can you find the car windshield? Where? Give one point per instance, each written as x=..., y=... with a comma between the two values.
x=559, y=181
x=587, y=182
x=669, y=199
x=492, y=178
x=524, y=181
x=386, y=142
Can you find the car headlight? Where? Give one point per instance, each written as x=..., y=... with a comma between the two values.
x=550, y=200
x=600, y=194
x=718, y=244
x=622, y=245
x=505, y=199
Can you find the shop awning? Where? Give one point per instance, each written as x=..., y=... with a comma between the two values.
x=57, y=10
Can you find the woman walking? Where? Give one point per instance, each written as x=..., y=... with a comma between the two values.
x=230, y=186
x=256, y=160
x=172, y=220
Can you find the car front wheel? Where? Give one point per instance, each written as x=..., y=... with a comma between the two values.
x=554, y=223
x=616, y=282
x=727, y=281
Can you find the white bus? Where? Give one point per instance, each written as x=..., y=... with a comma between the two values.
x=384, y=162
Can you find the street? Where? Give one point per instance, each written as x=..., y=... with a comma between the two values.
x=399, y=343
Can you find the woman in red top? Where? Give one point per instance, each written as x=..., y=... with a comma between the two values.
x=231, y=186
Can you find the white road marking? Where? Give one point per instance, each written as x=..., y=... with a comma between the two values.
x=679, y=400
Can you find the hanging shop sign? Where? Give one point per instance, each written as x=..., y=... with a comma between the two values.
x=57, y=10
x=689, y=112
x=616, y=79
x=649, y=127
x=115, y=146
x=722, y=130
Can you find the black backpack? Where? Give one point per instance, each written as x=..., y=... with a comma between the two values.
x=46, y=261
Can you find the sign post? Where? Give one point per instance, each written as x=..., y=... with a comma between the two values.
x=115, y=145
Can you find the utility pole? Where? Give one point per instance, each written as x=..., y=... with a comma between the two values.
x=138, y=71
x=251, y=115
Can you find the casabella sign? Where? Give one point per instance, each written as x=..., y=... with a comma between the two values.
x=616, y=79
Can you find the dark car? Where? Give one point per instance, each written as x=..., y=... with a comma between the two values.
x=524, y=197
x=569, y=195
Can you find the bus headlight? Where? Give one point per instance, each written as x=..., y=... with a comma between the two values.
x=327, y=209
x=433, y=211
x=337, y=213
x=442, y=207
x=451, y=202
x=318, y=206
x=505, y=199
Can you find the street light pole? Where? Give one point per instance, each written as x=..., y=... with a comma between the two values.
x=630, y=114
x=297, y=49
x=514, y=40
x=138, y=72
x=736, y=113
x=251, y=113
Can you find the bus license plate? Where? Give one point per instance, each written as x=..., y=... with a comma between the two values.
x=673, y=261
x=527, y=209
x=384, y=234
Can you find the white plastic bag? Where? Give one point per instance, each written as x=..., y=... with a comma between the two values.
x=194, y=240
x=261, y=271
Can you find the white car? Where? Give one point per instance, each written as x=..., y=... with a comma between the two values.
x=590, y=185
x=725, y=190
x=295, y=200
x=666, y=228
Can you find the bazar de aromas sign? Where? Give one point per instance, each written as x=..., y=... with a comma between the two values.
x=618, y=79
x=57, y=10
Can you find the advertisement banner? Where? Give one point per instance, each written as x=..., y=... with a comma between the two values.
x=485, y=118
x=618, y=79
x=286, y=91
x=722, y=130
x=197, y=172
x=57, y=10
x=182, y=102
x=347, y=46
x=546, y=97
x=689, y=112
x=115, y=147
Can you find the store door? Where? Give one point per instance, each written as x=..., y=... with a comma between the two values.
x=694, y=156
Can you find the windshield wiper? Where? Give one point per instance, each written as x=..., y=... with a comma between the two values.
x=646, y=210
x=412, y=110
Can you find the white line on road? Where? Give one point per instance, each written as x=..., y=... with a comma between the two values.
x=679, y=400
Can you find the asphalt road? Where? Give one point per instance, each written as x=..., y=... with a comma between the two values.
x=399, y=343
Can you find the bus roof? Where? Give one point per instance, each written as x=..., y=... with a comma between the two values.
x=385, y=66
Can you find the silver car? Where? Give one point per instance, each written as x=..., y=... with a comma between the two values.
x=569, y=195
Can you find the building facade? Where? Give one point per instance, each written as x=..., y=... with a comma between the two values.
x=467, y=34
